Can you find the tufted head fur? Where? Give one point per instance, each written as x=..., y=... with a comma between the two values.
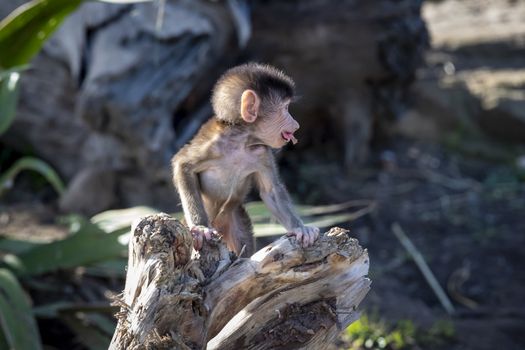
x=270, y=84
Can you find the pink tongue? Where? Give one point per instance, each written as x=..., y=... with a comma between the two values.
x=289, y=136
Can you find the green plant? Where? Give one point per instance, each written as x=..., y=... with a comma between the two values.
x=263, y=225
x=26, y=29
x=31, y=163
x=9, y=89
x=87, y=246
x=22, y=35
x=18, y=328
x=99, y=247
x=373, y=333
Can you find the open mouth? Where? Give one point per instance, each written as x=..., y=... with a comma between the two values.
x=288, y=136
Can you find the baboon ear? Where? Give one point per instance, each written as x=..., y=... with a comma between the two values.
x=250, y=104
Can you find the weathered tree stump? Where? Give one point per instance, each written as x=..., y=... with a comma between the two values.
x=283, y=297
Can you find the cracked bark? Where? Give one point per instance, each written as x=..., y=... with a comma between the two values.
x=283, y=297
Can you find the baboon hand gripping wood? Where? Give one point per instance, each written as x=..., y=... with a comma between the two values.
x=284, y=297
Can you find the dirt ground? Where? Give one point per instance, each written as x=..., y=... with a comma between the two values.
x=465, y=216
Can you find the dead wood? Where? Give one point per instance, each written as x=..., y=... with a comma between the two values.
x=283, y=297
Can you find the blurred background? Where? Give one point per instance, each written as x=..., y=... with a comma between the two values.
x=412, y=121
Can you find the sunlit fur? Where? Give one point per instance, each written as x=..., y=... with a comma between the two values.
x=231, y=153
x=269, y=127
x=270, y=84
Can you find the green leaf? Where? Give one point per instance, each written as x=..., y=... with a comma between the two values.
x=269, y=229
x=91, y=337
x=51, y=310
x=25, y=30
x=111, y=220
x=320, y=216
x=89, y=245
x=58, y=308
x=9, y=91
x=125, y=1
x=105, y=324
x=3, y=341
x=30, y=163
x=19, y=329
x=119, y=219
x=6, y=73
x=108, y=269
x=259, y=212
x=15, y=246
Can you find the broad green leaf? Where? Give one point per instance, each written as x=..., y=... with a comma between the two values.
x=9, y=89
x=25, y=30
x=325, y=221
x=88, y=246
x=108, y=269
x=259, y=212
x=112, y=220
x=3, y=340
x=89, y=336
x=264, y=230
x=307, y=210
x=118, y=219
x=34, y=164
x=18, y=325
x=51, y=310
x=61, y=307
x=15, y=246
x=125, y=1
x=321, y=216
x=6, y=73
x=104, y=324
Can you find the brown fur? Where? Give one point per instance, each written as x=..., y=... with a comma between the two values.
x=271, y=84
x=215, y=171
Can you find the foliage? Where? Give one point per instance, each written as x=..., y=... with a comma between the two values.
x=9, y=89
x=481, y=147
x=371, y=333
x=365, y=333
x=320, y=216
x=99, y=247
x=18, y=325
x=34, y=164
x=26, y=29
x=87, y=245
x=263, y=224
x=22, y=34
